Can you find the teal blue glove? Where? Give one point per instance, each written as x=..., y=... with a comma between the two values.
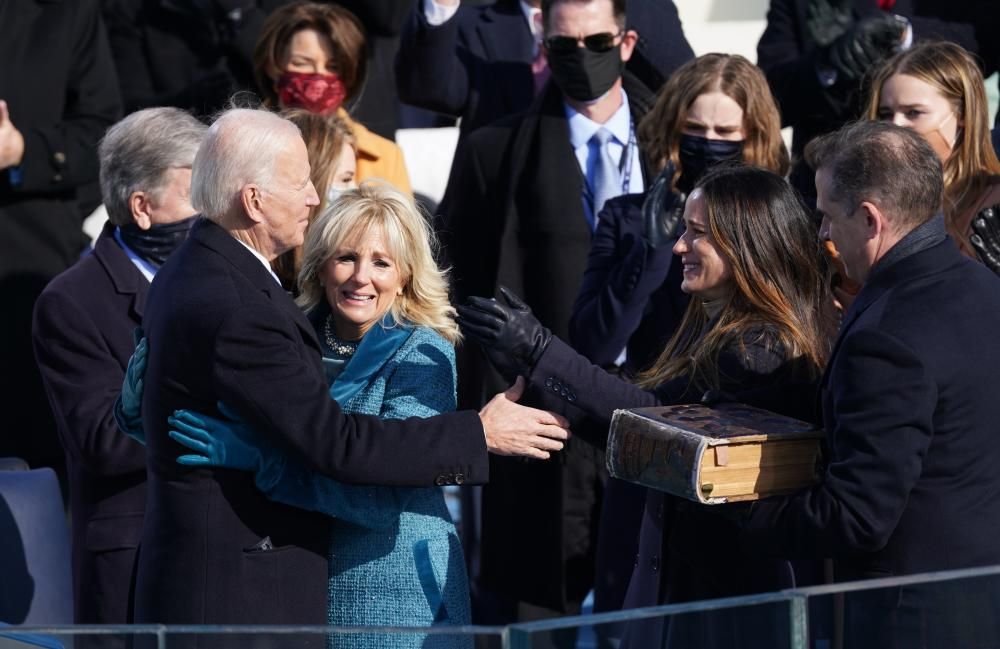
x=229, y=443
x=128, y=405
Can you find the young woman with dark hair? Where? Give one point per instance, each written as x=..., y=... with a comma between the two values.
x=758, y=328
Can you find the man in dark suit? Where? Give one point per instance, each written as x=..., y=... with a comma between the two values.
x=909, y=397
x=519, y=211
x=83, y=339
x=221, y=329
x=478, y=63
x=55, y=103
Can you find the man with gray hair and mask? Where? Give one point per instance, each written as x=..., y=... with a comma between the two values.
x=221, y=330
x=82, y=335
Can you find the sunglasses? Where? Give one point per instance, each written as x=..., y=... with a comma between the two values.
x=595, y=42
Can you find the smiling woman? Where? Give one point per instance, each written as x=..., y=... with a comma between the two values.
x=757, y=329
x=379, y=307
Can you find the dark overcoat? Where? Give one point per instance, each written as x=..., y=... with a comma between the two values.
x=910, y=411
x=83, y=340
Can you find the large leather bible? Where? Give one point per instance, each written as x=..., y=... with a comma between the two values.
x=713, y=455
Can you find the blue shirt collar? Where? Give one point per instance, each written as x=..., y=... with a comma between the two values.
x=147, y=269
x=582, y=128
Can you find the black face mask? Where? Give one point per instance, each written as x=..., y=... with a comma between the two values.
x=584, y=75
x=699, y=154
x=155, y=244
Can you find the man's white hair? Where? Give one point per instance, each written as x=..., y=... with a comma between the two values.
x=240, y=148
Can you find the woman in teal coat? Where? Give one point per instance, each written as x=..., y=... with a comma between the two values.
x=379, y=305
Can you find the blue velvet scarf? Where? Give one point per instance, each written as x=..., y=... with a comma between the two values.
x=375, y=349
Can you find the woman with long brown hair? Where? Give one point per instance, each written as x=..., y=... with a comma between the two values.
x=717, y=107
x=758, y=327
x=937, y=90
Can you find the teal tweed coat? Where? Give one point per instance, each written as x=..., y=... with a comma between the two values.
x=395, y=557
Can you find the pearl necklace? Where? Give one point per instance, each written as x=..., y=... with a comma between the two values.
x=337, y=346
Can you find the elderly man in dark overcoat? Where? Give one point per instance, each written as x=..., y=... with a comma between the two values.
x=909, y=397
x=221, y=329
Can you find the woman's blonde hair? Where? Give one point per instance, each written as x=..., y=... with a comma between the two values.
x=325, y=137
x=972, y=165
x=410, y=240
x=738, y=79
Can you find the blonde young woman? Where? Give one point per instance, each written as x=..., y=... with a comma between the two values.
x=379, y=305
x=937, y=90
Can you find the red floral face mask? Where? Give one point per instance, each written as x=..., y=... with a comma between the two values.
x=317, y=93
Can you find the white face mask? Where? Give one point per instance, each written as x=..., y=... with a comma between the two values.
x=333, y=193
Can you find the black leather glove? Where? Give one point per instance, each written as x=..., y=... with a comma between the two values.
x=827, y=20
x=506, y=329
x=662, y=211
x=864, y=45
x=986, y=237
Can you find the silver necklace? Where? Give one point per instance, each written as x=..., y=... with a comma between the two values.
x=336, y=345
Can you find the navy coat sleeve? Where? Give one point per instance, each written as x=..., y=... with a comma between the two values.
x=882, y=400
x=83, y=376
x=622, y=273
x=753, y=372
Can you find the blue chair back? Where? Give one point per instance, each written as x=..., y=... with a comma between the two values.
x=34, y=550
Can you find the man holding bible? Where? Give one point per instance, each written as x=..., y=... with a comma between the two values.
x=909, y=397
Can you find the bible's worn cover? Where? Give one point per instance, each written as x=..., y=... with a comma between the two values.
x=713, y=455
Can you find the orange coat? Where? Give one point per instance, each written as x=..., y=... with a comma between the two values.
x=377, y=156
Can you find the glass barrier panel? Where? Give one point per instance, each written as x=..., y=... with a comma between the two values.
x=961, y=612
x=739, y=623
x=248, y=637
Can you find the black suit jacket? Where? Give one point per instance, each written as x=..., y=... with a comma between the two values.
x=477, y=65
x=910, y=410
x=59, y=83
x=83, y=339
x=220, y=328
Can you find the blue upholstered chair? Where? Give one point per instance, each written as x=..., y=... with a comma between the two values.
x=34, y=550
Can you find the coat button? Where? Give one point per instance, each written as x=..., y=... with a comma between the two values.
x=59, y=158
x=548, y=382
x=440, y=481
x=57, y=178
x=459, y=478
x=654, y=563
